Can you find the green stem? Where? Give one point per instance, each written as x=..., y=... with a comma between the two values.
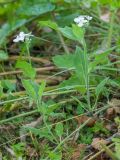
x=111, y=29
x=109, y=152
x=44, y=94
x=28, y=51
x=44, y=120
x=86, y=60
x=18, y=116
x=98, y=153
x=32, y=112
x=95, y=104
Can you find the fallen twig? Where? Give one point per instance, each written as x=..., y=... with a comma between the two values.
x=102, y=150
x=37, y=70
x=35, y=59
x=98, y=153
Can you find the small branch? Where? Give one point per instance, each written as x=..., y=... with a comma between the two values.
x=109, y=152
x=34, y=59
x=53, y=81
x=102, y=150
x=49, y=80
x=20, y=72
x=33, y=111
x=63, y=43
x=98, y=153
x=22, y=93
x=18, y=116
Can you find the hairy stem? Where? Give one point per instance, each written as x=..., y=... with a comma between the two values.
x=87, y=74
x=111, y=29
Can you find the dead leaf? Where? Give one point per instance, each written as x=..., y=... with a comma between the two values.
x=114, y=102
x=117, y=110
x=114, y=108
x=110, y=113
x=78, y=152
x=81, y=119
x=108, y=127
x=96, y=143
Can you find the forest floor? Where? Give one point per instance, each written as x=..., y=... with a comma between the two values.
x=59, y=81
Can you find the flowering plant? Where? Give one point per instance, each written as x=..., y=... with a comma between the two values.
x=21, y=37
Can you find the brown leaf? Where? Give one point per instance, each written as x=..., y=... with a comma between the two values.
x=110, y=113
x=117, y=110
x=114, y=102
x=78, y=151
x=114, y=108
x=108, y=127
x=96, y=143
x=81, y=119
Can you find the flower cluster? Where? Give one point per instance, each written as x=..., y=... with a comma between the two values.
x=22, y=37
x=82, y=20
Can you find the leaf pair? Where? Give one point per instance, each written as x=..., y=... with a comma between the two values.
x=27, y=69
x=77, y=61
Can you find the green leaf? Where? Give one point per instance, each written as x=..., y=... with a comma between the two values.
x=68, y=32
x=27, y=69
x=117, y=140
x=78, y=32
x=99, y=59
x=41, y=89
x=59, y=129
x=3, y=55
x=1, y=89
x=75, y=33
x=81, y=65
x=55, y=155
x=30, y=89
x=7, y=84
x=8, y=28
x=79, y=109
x=18, y=149
x=77, y=61
x=74, y=82
x=64, y=61
x=42, y=132
x=35, y=10
x=114, y=83
x=100, y=87
x=99, y=127
x=102, y=58
x=49, y=24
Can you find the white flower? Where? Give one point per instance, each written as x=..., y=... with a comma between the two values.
x=82, y=20
x=22, y=37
